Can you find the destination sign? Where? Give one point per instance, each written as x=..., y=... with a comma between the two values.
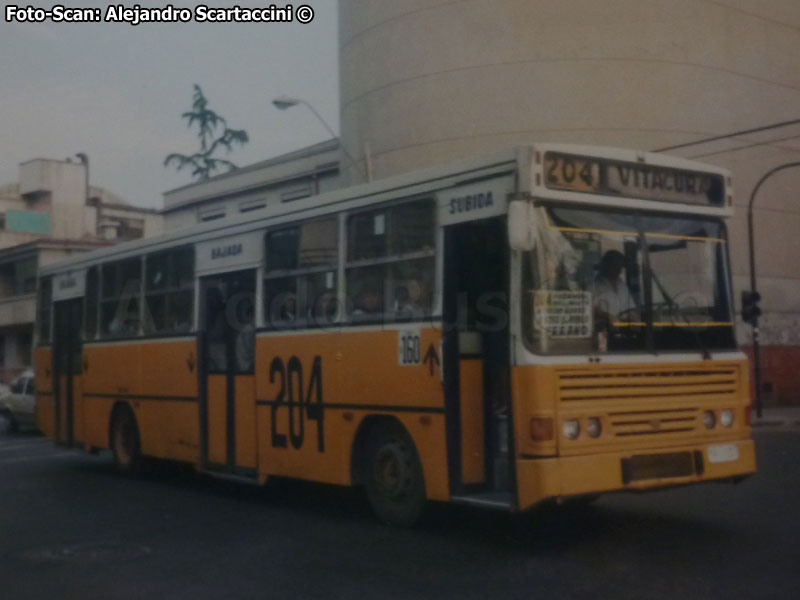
x=632, y=180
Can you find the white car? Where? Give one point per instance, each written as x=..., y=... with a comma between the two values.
x=19, y=407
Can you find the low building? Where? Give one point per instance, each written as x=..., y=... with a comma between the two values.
x=44, y=217
x=306, y=172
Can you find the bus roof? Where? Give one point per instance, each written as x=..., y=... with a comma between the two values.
x=407, y=184
x=415, y=183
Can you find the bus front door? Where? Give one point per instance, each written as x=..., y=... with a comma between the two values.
x=67, y=351
x=476, y=356
x=227, y=398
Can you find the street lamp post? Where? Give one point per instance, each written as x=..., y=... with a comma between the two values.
x=285, y=102
x=752, y=248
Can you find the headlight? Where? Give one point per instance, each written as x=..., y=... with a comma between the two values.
x=571, y=428
x=594, y=427
x=709, y=420
x=726, y=417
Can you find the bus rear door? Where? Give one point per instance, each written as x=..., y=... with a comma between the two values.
x=227, y=385
x=67, y=352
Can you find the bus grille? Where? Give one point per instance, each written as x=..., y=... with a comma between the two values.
x=661, y=401
x=648, y=385
x=653, y=422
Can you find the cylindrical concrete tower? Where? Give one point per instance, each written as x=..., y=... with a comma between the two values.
x=424, y=82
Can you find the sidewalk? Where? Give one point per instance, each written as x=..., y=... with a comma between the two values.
x=777, y=417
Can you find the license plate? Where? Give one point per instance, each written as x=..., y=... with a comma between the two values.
x=723, y=453
x=657, y=466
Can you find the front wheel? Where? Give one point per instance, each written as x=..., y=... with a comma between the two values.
x=124, y=440
x=395, y=484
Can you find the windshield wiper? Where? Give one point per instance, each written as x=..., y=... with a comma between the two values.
x=670, y=302
x=673, y=309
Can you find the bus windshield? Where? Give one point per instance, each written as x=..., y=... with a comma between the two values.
x=610, y=281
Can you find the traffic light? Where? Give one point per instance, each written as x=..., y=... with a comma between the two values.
x=750, y=308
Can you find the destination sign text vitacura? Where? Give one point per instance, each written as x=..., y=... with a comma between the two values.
x=632, y=180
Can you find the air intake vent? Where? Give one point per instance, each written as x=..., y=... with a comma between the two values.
x=653, y=422
x=618, y=384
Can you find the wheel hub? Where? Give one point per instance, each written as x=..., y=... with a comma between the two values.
x=123, y=442
x=392, y=471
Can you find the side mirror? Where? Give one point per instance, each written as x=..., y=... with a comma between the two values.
x=521, y=229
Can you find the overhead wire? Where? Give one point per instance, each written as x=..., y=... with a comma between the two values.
x=729, y=135
x=753, y=145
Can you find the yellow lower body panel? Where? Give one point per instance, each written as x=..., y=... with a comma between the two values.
x=45, y=417
x=542, y=478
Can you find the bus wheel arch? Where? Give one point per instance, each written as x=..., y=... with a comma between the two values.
x=123, y=438
x=385, y=460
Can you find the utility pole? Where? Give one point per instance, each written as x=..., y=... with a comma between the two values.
x=753, y=285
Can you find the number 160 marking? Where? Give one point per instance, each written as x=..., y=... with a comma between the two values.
x=408, y=348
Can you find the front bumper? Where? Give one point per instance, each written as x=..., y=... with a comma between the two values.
x=542, y=478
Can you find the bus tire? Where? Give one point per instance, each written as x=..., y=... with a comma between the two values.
x=393, y=478
x=124, y=440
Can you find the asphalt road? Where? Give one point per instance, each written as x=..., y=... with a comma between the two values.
x=71, y=527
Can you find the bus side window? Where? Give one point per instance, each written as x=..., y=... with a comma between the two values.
x=44, y=309
x=280, y=301
x=92, y=293
x=366, y=287
x=300, y=281
x=413, y=288
x=169, y=291
x=390, y=266
x=121, y=295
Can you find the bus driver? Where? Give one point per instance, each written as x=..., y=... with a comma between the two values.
x=612, y=298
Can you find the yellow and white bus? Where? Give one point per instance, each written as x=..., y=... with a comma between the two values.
x=551, y=322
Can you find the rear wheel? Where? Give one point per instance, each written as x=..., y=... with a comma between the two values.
x=124, y=440
x=394, y=480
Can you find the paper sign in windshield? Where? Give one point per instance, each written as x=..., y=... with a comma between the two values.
x=563, y=314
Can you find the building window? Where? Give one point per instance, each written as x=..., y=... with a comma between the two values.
x=252, y=205
x=212, y=213
x=296, y=194
x=130, y=229
x=24, y=344
x=25, y=275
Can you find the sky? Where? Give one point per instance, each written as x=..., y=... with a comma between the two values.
x=116, y=92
